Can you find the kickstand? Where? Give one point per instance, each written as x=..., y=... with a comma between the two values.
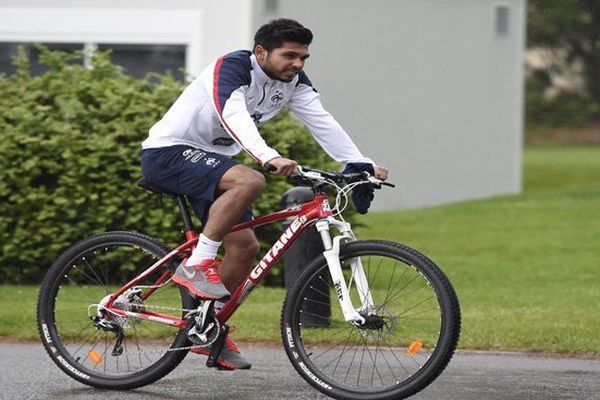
x=217, y=347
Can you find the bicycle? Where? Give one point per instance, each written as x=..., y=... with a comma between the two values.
x=393, y=325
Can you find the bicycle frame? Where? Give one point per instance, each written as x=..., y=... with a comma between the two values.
x=317, y=211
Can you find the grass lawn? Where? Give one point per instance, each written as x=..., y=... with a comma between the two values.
x=526, y=267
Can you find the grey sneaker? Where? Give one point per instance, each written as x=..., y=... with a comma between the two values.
x=230, y=357
x=202, y=280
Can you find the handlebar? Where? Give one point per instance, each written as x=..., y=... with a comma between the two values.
x=311, y=176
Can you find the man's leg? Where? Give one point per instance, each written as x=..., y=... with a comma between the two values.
x=239, y=187
x=241, y=249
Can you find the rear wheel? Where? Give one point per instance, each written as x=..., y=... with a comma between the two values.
x=111, y=352
x=409, y=335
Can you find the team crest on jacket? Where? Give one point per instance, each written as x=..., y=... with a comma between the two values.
x=277, y=97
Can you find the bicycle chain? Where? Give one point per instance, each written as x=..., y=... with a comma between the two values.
x=186, y=310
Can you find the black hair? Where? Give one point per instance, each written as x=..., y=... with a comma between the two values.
x=272, y=35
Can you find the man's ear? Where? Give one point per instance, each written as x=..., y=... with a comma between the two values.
x=260, y=52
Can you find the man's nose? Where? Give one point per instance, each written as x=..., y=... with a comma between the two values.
x=298, y=63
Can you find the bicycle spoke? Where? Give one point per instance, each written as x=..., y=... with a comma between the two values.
x=100, y=282
x=86, y=282
x=395, y=340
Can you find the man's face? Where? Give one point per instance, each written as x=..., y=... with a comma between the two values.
x=282, y=63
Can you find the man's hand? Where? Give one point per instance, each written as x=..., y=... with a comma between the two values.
x=284, y=166
x=381, y=173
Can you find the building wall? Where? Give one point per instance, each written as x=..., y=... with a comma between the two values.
x=428, y=88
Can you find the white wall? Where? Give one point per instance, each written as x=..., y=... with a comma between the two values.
x=425, y=87
x=208, y=28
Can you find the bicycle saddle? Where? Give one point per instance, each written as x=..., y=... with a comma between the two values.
x=154, y=188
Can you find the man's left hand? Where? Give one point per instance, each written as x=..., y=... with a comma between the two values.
x=381, y=173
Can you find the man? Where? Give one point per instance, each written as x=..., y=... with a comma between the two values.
x=188, y=151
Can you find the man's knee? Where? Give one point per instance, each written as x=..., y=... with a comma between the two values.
x=242, y=177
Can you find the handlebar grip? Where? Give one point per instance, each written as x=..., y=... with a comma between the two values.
x=269, y=167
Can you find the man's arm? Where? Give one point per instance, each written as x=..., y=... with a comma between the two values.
x=231, y=77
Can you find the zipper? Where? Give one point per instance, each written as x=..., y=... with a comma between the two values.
x=264, y=94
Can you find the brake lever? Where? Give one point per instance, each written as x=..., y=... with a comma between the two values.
x=379, y=183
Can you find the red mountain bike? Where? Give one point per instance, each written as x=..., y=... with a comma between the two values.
x=110, y=316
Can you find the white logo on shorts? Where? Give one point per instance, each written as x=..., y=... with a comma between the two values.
x=212, y=162
x=193, y=155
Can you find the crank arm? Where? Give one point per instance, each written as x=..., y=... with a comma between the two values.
x=217, y=347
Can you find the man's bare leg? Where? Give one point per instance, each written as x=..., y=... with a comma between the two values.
x=241, y=249
x=239, y=186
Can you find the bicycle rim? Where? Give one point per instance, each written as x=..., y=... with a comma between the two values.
x=411, y=331
x=77, y=287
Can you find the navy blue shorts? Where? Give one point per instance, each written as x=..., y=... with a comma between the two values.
x=188, y=171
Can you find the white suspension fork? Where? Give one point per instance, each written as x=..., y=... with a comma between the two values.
x=332, y=256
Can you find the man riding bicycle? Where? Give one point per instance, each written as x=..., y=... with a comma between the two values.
x=189, y=152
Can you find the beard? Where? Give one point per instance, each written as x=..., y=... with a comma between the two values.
x=286, y=75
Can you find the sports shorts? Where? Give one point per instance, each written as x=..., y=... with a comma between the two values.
x=189, y=171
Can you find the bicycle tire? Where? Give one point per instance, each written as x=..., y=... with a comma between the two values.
x=80, y=275
x=406, y=325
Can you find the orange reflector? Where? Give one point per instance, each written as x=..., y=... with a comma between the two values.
x=95, y=357
x=414, y=347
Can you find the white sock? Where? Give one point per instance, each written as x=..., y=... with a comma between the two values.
x=205, y=249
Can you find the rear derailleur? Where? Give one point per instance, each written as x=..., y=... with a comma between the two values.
x=101, y=323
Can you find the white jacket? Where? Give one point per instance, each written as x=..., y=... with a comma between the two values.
x=221, y=109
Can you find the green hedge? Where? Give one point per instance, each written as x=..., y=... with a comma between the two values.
x=70, y=154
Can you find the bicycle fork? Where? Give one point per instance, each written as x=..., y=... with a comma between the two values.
x=332, y=256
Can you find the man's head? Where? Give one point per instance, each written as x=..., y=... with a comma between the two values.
x=281, y=47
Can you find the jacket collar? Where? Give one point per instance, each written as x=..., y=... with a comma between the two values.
x=259, y=74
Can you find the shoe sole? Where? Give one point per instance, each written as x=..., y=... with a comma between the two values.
x=186, y=284
x=221, y=364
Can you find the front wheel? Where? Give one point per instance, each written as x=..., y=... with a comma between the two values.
x=411, y=328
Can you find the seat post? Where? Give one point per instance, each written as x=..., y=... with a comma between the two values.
x=185, y=214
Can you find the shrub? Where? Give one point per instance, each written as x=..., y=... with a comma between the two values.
x=70, y=158
x=563, y=109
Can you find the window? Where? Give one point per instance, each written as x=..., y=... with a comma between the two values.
x=502, y=20
x=139, y=59
x=136, y=59
x=9, y=50
x=271, y=6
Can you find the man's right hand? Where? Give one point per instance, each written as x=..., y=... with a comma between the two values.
x=284, y=166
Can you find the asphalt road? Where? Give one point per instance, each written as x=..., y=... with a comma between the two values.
x=26, y=372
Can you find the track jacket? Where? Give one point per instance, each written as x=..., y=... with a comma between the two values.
x=221, y=109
